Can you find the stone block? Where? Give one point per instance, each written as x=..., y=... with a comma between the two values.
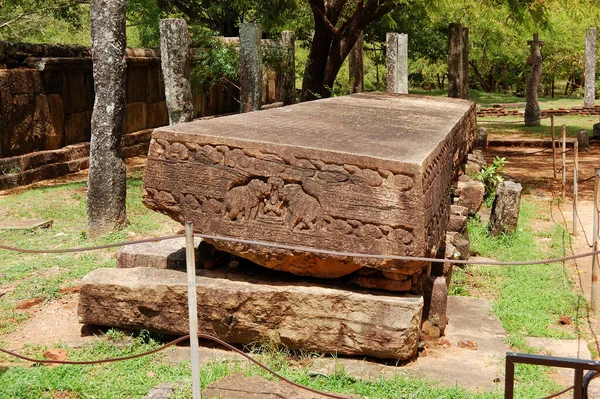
x=57, y=118
x=459, y=210
x=43, y=135
x=583, y=140
x=74, y=92
x=158, y=115
x=167, y=254
x=311, y=175
x=78, y=128
x=457, y=223
x=596, y=130
x=138, y=89
x=18, y=139
x=52, y=81
x=25, y=81
x=6, y=109
x=470, y=193
x=505, y=211
x=243, y=311
x=136, y=117
x=482, y=137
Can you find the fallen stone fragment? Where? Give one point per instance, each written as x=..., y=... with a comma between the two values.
x=470, y=194
x=164, y=390
x=241, y=310
x=29, y=303
x=55, y=354
x=467, y=344
x=26, y=224
x=505, y=211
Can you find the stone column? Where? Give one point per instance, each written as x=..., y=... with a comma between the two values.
x=397, y=62
x=458, y=61
x=107, y=174
x=590, y=67
x=505, y=211
x=176, y=66
x=355, y=63
x=286, y=79
x=532, y=108
x=250, y=67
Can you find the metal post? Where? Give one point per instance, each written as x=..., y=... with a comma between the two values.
x=509, y=378
x=595, y=271
x=575, y=187
x=192, y=308
x=564, y=161
x=553, y=146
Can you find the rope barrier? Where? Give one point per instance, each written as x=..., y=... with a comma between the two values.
x=309, y=250
x=186, y=337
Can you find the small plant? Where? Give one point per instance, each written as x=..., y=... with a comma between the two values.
x=491, y=176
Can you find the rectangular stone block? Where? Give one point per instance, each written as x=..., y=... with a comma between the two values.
x=243, y=311
x=364, y=173
x=57, y=115
x=136, y=117
x=78, y=128
x=167, y=254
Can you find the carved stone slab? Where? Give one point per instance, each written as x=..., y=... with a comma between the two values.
x=243, y=310
x=363, y=173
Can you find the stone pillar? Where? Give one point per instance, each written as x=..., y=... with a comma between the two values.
x=505, y=211
x=583, y=140
x=458, y=61
x=107, y=174
x=286, y=79
x=250, y=67
x=355, y=63
x=590, y=67
x=176, y=65
x=397, y=62
x=532, y=108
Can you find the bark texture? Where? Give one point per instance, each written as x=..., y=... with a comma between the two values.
x=458, y=61
x=107, y=176
x=356, y=68
x=176, y=66
x=532, y=108
x=244, y=311
x=250, y=67
x=287, y=78
x=590, y=68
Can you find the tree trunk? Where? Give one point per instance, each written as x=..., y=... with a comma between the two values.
x=532, y=109
x=356, y=69
x=314, y=73
x=107, y=174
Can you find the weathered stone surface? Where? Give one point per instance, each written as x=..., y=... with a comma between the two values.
x=439, y=304
x=286, y=84
x=158, y=114
x=462, y=247
x=397, y=62
x=167, y=254
x=505, y=211
x=176, y=66
x=583, y=140
x=590, y=68
x=532, y=108
x=458, y=210
x=457, y=223
x=57, y=117
x=250, y=67
x=245, y=311
x=482, y=136
x=136, y=117
x=470, y=194
x=310, y=174
x=107, y=177
x=78, y=128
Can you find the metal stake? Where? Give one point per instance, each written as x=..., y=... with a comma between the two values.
x=575, y=188
x=564, y=161
x=553, y=147
x=192, y=308
x=595, y=270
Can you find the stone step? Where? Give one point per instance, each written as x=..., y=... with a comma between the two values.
x=242, y=310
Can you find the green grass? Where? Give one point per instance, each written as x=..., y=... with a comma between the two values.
x=29, y=276
x=528, y=299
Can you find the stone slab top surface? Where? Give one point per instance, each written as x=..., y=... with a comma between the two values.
x=360, y=124
x=25, y=224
